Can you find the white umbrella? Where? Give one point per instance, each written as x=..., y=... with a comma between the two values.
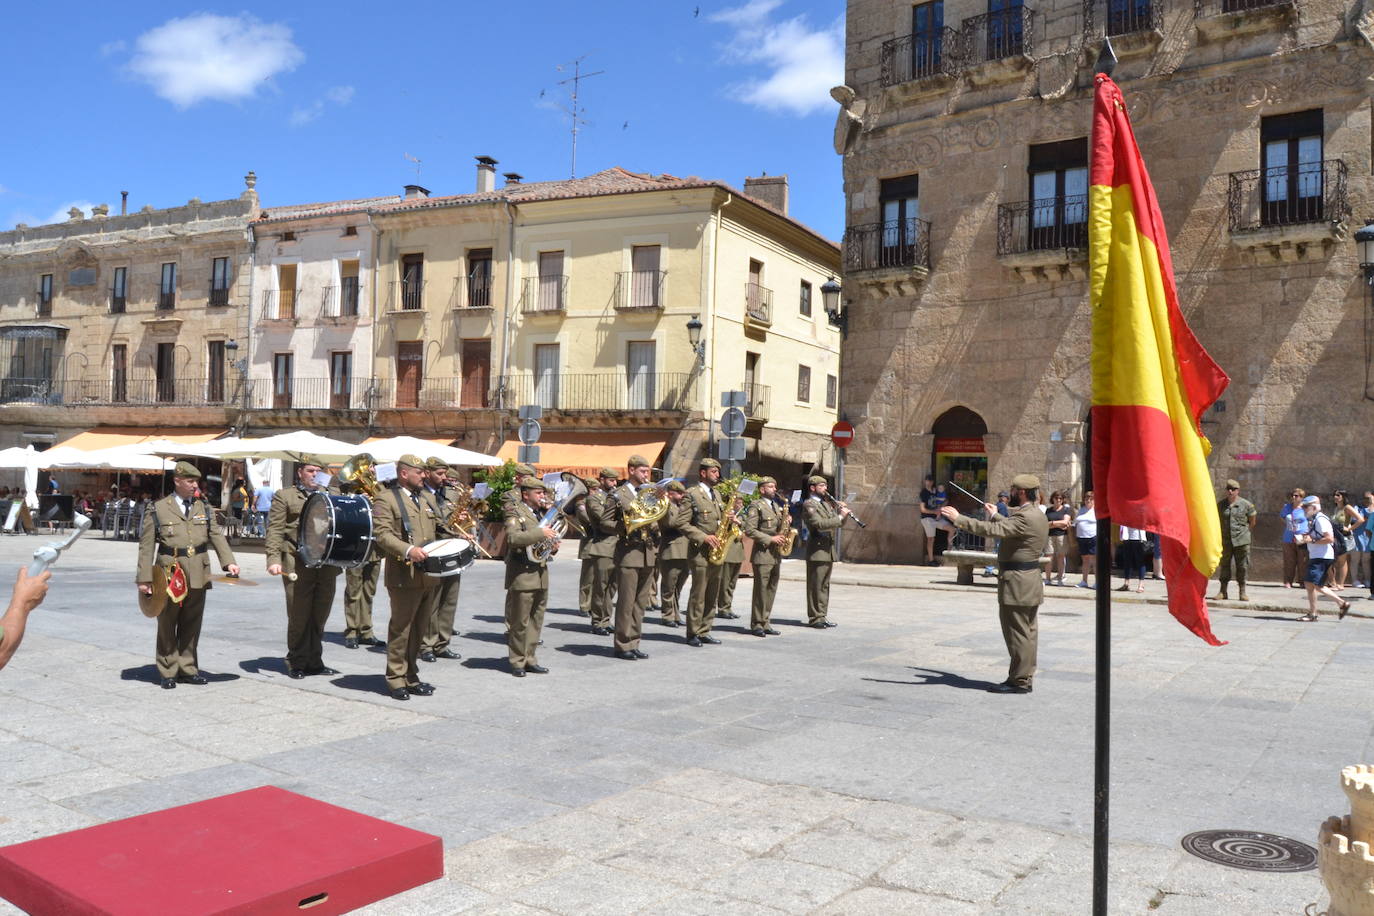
x=287, y=446
x=16, y=457
x=122, y=458
x=396, y=446
x=171, y=449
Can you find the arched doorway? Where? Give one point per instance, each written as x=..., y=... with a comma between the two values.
x=958, y=452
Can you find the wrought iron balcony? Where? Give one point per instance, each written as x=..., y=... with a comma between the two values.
x=994, y=36
x=44, y=305
x=1044, y=224
x=166, y=300
x=640, y=289
x=341, y=301
x=407, y=295
x=544, y=294
x=917, y=57
x=758, y=304
x=1289, y=195
x=279, y=304
x=620, y=390
x=474, y=292
x=757, y=399
x=1205, y=8
x=219, y=295
x=893, y=244
x=118, y=303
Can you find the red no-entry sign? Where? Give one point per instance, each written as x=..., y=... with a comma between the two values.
x=842, y=434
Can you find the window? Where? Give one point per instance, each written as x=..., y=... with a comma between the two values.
x=119, y=291
x=639, y=369
x=1127, y=16
x=758, y=299
x=119, y=373
x=167, y=291
x=281, y=380
x=805, y=305
x=214, y=371
x=901, y=208
x=804, y=384
x=45, y=295
x=286, y=292
x=479, y=278
x=1005, y=30
x=927, y=37
x=348, y=288
x=165, y=370
x=1294, y=177
x=644, y=276
x=412, y=281
x=288, y=236
x=1059, y=194
x=550, y=281
x=350, y=230
x=219, y=281
x=410, y=364
x=476, y=368
x=341, y=379
x=546, y=375
x=832, y=391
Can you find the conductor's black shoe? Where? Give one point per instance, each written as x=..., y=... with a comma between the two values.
x=638, y=654
x=400, y=693
x=295, y=673
x=600, y=631
x=670, y=623
x=373, y=641
x=694, y=642
x=350, y=643
x=1009, y=688
x=771, y=632
x=759, y=631
x=710, y=639
x=197, y=679
x=627, y=656
x=446, y=653
x=821, y=624
x=422, y=689
x=323, y=669
x=518, y=672
x=536, y=669
x=169, y=683
x=426, y=656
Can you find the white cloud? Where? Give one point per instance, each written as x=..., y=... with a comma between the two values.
x=802, y=62
x=62, y=214
x=207, y=57
x=340, y=95
x=337, y=95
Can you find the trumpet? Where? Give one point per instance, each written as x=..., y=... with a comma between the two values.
x=839, y=505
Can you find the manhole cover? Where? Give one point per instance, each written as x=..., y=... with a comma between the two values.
x=1253, y=851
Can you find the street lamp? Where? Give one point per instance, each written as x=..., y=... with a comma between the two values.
x=1364, y=246
x=830, y=301
x=694, y=338
x=1364, y=242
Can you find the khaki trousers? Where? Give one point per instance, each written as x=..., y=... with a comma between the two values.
x=1240, y=556
x=438, y=631
x=524, y=621
x=701, y=604
x=360, y=587
x=672, y=577
x=584, y=585
x=408, y=609
x=178, y=635
x=729, y=578
x=1021, y=633
x=308, y=602
x=603, y=590
x=633, y=586
x=765, y=590
x=817, y=590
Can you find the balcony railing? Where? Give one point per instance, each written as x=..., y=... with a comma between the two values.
x=758, y=303
x=917, y=57
x=341, y=301
x=640, y=289
x=756, y=401
x=407, y=295
x=896, y=243
x=166, y=300
x=118, y=303
x=617, y=390
x=1044, y=224
x=44, y=305
x=279, y=304
x=219, y=296
x=31, y=390
x=1205, y=8
x=544, y=294
x=995, y=36
x=472, y=292
x=1311, y=192
x=1126, y=17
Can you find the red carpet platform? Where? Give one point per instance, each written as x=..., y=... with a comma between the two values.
x=262, y=851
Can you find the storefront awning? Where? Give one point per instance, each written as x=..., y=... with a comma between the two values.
x=102, y=437
x=586, y=453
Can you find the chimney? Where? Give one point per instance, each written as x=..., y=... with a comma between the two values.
x=770, y=190
x=486, y=174
x=123, y=203
x=415, y=192
x=512, y=178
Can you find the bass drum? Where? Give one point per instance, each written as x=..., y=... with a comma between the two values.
x=335, y=530
x=447, y=557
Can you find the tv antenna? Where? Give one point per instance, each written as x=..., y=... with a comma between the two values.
x=416, y=167
x=574, y=110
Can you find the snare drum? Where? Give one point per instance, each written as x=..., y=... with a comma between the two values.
x=335, y=530
x=447, y=556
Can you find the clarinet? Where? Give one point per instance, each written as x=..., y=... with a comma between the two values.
x=837, y=504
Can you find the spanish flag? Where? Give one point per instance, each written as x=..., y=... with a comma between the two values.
x=1152, y=380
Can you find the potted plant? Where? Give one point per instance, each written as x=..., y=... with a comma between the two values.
x=501, y=480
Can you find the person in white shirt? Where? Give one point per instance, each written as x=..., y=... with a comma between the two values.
x=1085, y=529
x=1133, y=558
x=1319, y=538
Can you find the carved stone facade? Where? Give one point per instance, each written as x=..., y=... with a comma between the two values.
x=996, y=319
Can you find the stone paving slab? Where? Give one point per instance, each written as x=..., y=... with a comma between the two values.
x=858, y=770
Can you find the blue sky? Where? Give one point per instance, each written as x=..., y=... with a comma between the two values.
x=337, y=100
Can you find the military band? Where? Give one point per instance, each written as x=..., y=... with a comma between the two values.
x=674, y=553
x=404, y=518
x=636, y=554
x=766, y=526
x=437, y=636
x=702, y=527
x=309, y=591
x=724, y=605
x=360, y=588
x=599, y=543
x=527, y=578
x=823, y=518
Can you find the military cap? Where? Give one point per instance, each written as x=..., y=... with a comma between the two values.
x=1026, y=482
x=637, y=461
x=709, y=463
x=436, y=464
x=591, y=481
x=1232, y=485
x=314, y=460
x=676, y=486
x=524, y=470
x=186, y=469
x=534, y=483
x=455, y=469
x=411, y=461
x=815, y=480
x=764, y=481
x=609, y=472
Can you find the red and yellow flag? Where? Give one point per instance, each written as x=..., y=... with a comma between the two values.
x=1152, y=380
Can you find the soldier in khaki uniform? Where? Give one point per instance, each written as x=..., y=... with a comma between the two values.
x=635, y=557
x=404, y=518
x=822, y=521
x=511, y=499
x=600, y=543
x=438, y=633
x=360, y=588
x=1025, y=534
x=1238, y=517
x=766, y=525
x=586, y=567
x=180, y=529
x=724, y=603
x=701, y=529
x=674, y=553
x=527, y=582
x=309, y=592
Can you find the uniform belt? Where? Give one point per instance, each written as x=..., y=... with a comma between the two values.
x=180, y=551
x=1018, y=566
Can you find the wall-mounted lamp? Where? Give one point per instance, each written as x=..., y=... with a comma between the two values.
x=831, y=292
x=694, y=338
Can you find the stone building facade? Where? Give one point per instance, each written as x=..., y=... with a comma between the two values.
x=964, y=136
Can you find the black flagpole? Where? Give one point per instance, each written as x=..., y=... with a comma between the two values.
x=1102, y=724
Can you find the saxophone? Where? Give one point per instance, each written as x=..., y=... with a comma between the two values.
x=465, y=515
x=728, y=531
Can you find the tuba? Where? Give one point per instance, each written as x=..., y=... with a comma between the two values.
x=568, y=489
x=360, y=473
x=648, y=506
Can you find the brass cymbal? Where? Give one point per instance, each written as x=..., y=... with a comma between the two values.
x=235, y=580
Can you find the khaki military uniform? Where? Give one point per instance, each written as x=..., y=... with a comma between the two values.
x=1235, y=540
x=1020, y=590
x=412, y=592
x=635, y=558
x=171, y=537
x=703, y=522
x=763, y=521
x=674, y=559
x=360, y=589
x=822, y=521
x=527, y=588
x=438, y=630
x=598, y=550
x=310, y=597
x=729, y=575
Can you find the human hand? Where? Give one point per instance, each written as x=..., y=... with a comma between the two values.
x=950, y=513
x=232, y=569
x=712, y=541
x=29, y=591
x=779, y=540
x=274, y=569
x=144, y=588
x=549, y=533
x=416, y=555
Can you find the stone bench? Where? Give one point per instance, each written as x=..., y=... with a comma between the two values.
x=967, y=560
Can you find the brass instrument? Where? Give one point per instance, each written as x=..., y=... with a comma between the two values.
x=649, y=506
x=729, y=529
x=360, y=472
x=466, y=514
x=555, y=518
x=787, y=545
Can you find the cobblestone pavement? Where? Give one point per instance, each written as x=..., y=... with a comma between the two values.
x=856, y=770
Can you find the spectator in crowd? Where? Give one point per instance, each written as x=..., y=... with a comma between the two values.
x=1319, y=538
x=930, y=514
x=1294, y=523
x=1060, y=517
x=1155, y=555
x=239, y=500
x=262, y=504
x=82, y=503
x=1347, y=520
x=1132, y=558
x=29, y=592
x=1364, y=540
x=1085, y=529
